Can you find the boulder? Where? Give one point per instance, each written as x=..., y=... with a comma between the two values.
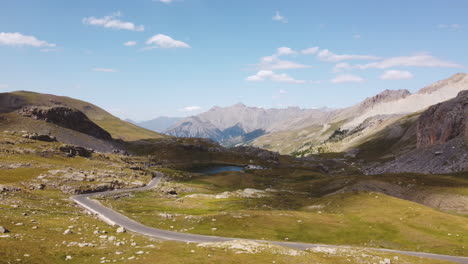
x=73, y=151
x=121, y=229
x=40, y=137
x=36, y=186
x=3, y=230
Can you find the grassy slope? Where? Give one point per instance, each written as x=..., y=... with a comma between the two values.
x=116, y=127
x=363, y=219
x=53, y=213
x=287, y=141
x=396, y=138
x=299, y=141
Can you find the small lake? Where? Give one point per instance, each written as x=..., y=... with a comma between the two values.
x=217, y=169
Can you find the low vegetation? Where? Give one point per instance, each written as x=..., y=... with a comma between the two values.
x=300, y=207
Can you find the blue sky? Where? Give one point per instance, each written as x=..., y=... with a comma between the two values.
x=185, y=56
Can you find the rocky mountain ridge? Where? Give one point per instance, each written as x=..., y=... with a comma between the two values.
x=311, y=126
x=224, y=124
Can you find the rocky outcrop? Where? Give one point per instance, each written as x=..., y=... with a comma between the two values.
x=7, y=188
x=73, y=151
x=255, y=152
x=40, y=137
x=443, y=122
x=66, y=117
x=9, y=102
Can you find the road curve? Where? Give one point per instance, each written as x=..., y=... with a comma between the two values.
x=113, y=218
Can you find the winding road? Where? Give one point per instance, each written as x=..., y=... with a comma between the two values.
x=113, y=218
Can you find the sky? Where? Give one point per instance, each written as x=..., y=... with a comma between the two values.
x=140, y=59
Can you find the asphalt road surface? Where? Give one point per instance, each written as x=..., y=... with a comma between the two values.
x=113, y=218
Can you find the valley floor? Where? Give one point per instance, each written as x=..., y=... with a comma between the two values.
x=286, y=203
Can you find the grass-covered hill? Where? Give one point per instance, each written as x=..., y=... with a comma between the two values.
x=119, y=129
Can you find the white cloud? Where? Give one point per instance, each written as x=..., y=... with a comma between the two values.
x=112, y=22
x=326, y=55
x=344, y=78
x=280, y=18
x=283, y=92
x=104, y=70
x=264, y=75
x=396, y=75
x=163, y=41
x=49, y=50
x=164, y=1
x=3, y=86
x=130, y=43
x=18, y=39
x=273, y=62
x=449, y=26
x=284, y=65
x=420, y=60
x=356, y=36
x=310, y=51
x=191, y=108
x=285, y=51
x=341, y=66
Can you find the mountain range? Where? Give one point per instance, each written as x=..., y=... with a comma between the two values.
x=295, y=130
x=159, y=124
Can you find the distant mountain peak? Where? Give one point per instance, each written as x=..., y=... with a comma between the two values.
x=456, y=78
x=384, y=97
x=239, y=105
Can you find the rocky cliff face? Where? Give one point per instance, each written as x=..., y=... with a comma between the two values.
x=441, y=141
x=66, y=117
x=10, y=102
x=443, y=122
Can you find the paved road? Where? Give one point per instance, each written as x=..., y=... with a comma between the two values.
x=113, y=218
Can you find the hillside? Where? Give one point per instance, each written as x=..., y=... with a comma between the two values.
x=118, y=129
